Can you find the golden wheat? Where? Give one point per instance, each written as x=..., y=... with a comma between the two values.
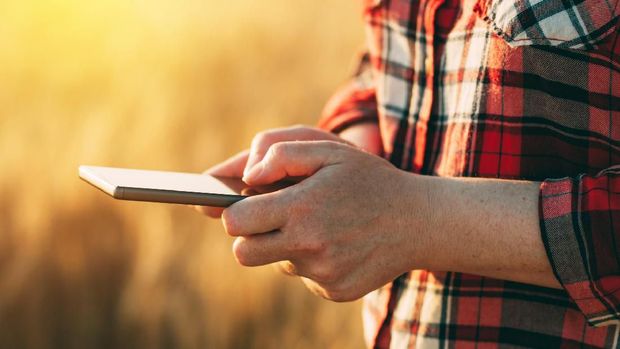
x=163, y=85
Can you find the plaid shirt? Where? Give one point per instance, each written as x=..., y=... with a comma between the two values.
x=518, y=89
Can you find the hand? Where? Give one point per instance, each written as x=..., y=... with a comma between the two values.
x=264, y=140
x=241, y=163
x=345, y=229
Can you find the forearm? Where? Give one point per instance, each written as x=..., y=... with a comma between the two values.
x=487, y=227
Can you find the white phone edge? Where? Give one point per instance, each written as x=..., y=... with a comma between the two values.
x=156, y=195
x=89, y=177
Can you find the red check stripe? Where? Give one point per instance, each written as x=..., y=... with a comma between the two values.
x=517, y=89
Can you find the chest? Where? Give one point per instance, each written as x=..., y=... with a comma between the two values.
x=455, y=99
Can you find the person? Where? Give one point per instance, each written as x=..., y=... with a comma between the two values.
x=466, y=181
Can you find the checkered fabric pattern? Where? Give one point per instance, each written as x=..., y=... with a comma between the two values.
x=515, y=89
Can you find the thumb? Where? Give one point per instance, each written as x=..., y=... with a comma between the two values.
x=295, y=159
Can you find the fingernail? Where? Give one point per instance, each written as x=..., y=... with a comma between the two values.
x=254, y=172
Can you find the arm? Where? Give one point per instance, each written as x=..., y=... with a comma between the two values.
x=489, y=226
x=559, y=233
x=349, y=234
x=486, y=227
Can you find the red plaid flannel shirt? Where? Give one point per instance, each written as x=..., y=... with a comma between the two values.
x=519, y=89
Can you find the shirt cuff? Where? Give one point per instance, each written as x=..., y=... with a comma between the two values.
x=577, y=237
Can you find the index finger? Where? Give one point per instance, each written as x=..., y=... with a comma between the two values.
x=263, y=140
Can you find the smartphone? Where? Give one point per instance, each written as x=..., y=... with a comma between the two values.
x=170, y=187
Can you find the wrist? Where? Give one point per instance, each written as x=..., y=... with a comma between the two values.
x=420, y=231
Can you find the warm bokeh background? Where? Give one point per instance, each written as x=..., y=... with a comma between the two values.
x=159, y=84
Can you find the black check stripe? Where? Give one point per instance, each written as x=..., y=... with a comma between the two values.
x=479, y=88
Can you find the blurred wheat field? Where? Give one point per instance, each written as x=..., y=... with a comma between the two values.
x=161, y=85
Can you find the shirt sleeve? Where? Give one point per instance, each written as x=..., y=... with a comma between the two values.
x=565, y=24
x=580, y=224
x=355, y=102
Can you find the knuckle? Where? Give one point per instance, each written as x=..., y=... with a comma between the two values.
x=341, y=151
x=335, y=296
x=325, y=274
x=341, y=295
x=307, y=244
x=333, y=146
x=312, y=240
x=278, y=150
x=301, y=128
x=261, y=136
x=261, y=141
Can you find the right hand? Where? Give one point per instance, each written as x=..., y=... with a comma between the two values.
x=241, y=163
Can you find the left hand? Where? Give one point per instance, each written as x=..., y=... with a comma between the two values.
x=347, y=229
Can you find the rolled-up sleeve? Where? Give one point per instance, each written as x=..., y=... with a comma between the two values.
x=355, y=102
x=580, y=225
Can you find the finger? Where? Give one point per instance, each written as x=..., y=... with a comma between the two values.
x=261, y=249
x=295, y=159
x=264, y=140
x=233, y=167
x=255, y=215
x=213, y=212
